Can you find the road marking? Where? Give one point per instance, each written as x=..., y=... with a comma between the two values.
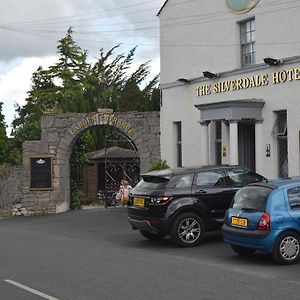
x=26, y=288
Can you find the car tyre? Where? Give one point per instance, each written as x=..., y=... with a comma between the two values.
x=286, y=250
x=187, y=230
x=152, y=236
x=243, y=251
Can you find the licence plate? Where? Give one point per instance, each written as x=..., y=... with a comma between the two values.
x=138, y=202
x=239, y=221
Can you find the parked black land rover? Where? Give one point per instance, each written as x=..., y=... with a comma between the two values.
x=185, y=202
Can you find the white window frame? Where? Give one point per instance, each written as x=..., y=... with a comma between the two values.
x=247, y=41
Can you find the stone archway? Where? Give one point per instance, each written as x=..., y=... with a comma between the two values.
x=59, y=134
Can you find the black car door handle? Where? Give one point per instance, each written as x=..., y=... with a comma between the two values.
x=201, y=192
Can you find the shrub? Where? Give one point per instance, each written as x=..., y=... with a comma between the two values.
x=160, y=165
x=77, y=199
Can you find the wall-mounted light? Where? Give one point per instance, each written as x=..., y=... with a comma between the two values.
x=273, y=61
x=211, y=75
x=183, y=80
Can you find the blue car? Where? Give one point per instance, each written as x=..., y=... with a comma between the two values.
x=266, y=217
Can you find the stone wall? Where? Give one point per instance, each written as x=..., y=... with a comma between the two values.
x=59, y=134
x=11, y=187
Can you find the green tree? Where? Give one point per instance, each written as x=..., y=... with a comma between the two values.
x=155, y=100
x=3, y=138
x=39, y=100
x=131, y=97
x=29, y=131
x=75, y=85
x=71, y=74
x=85, y=143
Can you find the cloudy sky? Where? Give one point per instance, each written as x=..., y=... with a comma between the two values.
x=29, y=31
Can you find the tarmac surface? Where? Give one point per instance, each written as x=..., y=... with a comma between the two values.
x=94, y=254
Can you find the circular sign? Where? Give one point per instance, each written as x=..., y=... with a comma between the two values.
x=241, y=6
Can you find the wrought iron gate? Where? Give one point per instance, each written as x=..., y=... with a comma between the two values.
x=116, y=168
x=118, y=160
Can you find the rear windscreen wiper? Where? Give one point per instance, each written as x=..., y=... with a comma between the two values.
x=295, y=205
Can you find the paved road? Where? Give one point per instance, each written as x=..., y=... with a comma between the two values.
x=94, y=254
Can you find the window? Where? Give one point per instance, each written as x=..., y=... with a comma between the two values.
x=251, y=198
x=242, y=177
x=294, y=197
x=151, y=183
x=247, y=33
x=181, y=181
x=210, y=178
x=280, y=132
x=178, y=143
x=280, y=127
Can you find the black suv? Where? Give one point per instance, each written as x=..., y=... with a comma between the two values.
x=185, y=202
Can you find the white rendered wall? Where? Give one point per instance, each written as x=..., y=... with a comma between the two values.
x=180, y=108
x=209, y=35
x=276, y=36
x=178, y=105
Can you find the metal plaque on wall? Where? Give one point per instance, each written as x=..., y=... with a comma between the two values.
x=41, y=173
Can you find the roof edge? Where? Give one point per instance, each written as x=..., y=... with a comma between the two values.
x=162, y=8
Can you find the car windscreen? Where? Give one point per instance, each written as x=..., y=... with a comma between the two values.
x=251, y=198
x=151, y=183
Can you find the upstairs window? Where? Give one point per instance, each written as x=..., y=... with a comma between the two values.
x=247, y=32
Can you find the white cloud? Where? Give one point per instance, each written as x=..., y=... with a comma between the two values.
x=15, y=83
x=30, y=33
x=33, y=29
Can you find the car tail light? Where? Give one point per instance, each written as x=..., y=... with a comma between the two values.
x=264, y=222
x=154, y=221
x=159, y=200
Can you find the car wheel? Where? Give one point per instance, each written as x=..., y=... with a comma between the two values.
x=242, y=250
x=286, y=249
x=187, y=230
x=152, y=236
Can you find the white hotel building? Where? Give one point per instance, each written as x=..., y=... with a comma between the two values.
x=230, y=84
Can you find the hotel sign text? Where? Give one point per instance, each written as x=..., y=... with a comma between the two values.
x=248, y=82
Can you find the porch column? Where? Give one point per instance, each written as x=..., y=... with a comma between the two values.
x=233, y=140
x=204, y=140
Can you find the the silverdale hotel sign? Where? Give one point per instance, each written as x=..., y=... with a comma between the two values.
x=248, y=82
